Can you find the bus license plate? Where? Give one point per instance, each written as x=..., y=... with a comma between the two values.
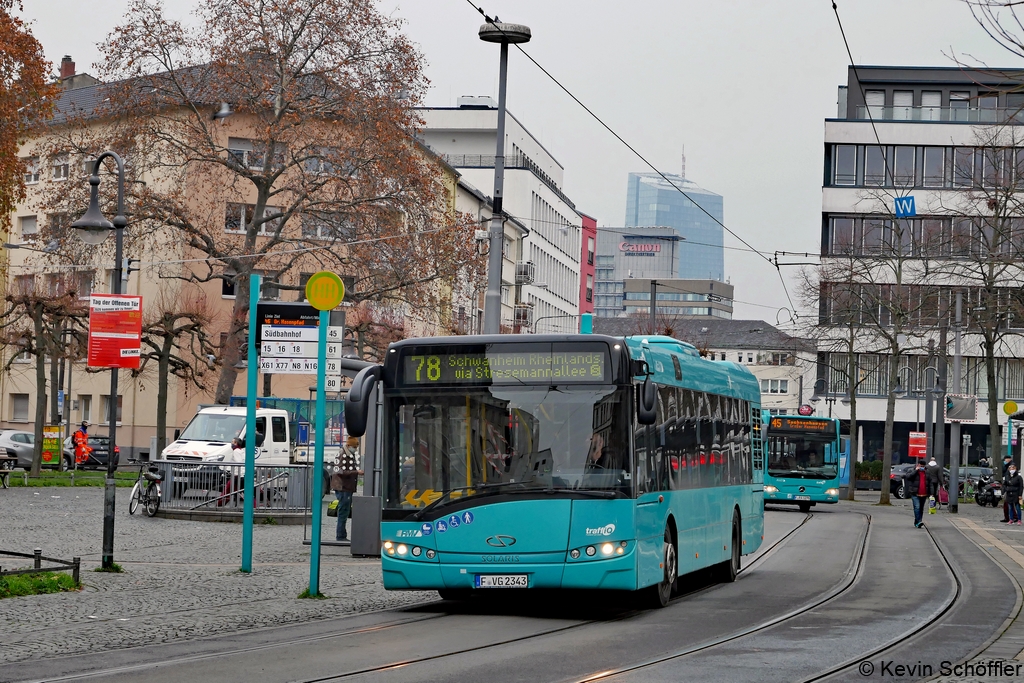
x=502, y=581
x=801, y=497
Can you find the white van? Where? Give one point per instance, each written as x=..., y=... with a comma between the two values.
x=207, y=438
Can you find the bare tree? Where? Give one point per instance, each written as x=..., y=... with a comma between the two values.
x=313, y=166
x=176, y=337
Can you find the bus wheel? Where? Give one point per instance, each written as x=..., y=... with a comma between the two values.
x=726, y=572
x=659, y=594
x=805, y=507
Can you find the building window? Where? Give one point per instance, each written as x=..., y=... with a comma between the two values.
x=934, y=167
x=903, y=105
x=739, y=358
x=750, y=357
x=778, y=411
x=903, y=168
x=19, y=407
x=269, y=289
x=963, y=167
x=590, y=288
x=85, y=407
x=842, y=236
x=875, y=100
x=84, y=283
x=24, y=285
x=106, y=407
x=238, y=216
x=29, y=226
x=227, y=285
x=31, y=170
x=875, y=166
x=590, y=251
x=781, y=359
x=61, y=167
x=931, y=105
x=775, y=386
x=846, y=164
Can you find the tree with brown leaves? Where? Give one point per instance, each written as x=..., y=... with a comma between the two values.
x=25, y=92
x=279, y=138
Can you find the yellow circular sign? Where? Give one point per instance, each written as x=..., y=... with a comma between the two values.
x=325, y=290
x=1010, y=407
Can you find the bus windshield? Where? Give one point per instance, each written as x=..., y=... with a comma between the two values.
x=802, y=456
x=506, y=439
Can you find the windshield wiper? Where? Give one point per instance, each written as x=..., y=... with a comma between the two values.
x=593, y=493
x=447, y=495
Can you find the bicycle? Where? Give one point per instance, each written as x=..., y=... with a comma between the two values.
x=146, y=491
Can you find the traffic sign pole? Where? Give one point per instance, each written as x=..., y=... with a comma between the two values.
x=251, y=370
x=318, y=458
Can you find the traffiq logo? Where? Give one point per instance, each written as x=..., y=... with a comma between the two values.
x=606, y=530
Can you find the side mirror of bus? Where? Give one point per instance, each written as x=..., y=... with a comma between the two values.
x=647, y=403
x=638, y=367
x=357, y=402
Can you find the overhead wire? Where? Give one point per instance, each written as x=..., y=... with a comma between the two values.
x=640, y=156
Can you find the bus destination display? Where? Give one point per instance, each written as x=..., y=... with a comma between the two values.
x=795, y=424
x=505, y=367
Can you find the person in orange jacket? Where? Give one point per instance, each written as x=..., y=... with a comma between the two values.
x=81, y=441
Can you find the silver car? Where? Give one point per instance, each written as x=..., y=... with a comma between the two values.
x=20, y=444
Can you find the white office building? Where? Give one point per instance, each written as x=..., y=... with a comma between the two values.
x=545, y=296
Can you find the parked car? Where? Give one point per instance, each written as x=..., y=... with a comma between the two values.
x=97, y=459
x=20, y=445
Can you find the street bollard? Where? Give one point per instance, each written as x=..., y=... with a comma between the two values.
x=38, y=560
x=77, y=569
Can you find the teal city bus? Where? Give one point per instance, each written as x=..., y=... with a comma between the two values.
x=803, y=459
x=562, y=462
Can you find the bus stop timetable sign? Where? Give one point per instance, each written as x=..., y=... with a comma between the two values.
x=115, y=331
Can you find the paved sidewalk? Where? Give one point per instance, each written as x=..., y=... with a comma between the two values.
x=181, y=578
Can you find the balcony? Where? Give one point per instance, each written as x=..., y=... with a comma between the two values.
x=942, y=114
x=511, y=161
x=524, y=315
x=525, y=273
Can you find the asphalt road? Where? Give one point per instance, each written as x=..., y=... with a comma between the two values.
x=847, y=585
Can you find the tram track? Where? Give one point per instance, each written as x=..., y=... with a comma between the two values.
x=901, y=640
x=134, y=668
x=853, y=574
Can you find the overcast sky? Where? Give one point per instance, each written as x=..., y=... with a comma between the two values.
x=744, y=85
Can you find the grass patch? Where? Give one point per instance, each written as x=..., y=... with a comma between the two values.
x=114, y=568
x=270, y=521
x=82, y=478
x=36, y=584
x=306, y=595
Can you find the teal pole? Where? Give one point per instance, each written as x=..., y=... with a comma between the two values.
x=1009, y=439
x=318, y=455
x=251, y=371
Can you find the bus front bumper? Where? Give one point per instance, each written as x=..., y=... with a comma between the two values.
x=616, y=573
x=795, y=497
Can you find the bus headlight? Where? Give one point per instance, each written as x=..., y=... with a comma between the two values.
x=832, y=492
x=430, y=554
x=574, y=554
x=402, y=549
x=416, y=550
x=607, y=549
x=768, y=488
x=591, y=551
x=389, y=547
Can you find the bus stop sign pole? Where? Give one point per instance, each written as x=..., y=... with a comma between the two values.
x=324, y=291
x=252, y=369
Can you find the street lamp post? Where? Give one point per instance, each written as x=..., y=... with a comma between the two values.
x=816, y=396
x=504, y=34
x=94, y=228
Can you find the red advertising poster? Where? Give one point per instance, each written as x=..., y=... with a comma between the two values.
x=115, y=331
x=918, y=447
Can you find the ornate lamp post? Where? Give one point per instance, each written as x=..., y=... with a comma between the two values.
x=94, y=228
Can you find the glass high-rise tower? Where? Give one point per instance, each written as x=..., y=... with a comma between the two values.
x=651, y=201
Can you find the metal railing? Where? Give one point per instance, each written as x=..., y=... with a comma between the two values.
x=219, y=486
x=942, y=114
x=511, y=161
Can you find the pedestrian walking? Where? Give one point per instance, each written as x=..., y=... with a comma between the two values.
x=81, y=440
x=343, y=481
x=917, y=486
x=1013, y=486
x=1007, y=461
x=935, y=481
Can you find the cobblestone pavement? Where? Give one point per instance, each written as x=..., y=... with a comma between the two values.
x=181, y=578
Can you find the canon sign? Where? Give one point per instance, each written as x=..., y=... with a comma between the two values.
x=633, y=248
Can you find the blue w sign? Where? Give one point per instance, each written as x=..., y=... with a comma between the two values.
x=905, y=207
